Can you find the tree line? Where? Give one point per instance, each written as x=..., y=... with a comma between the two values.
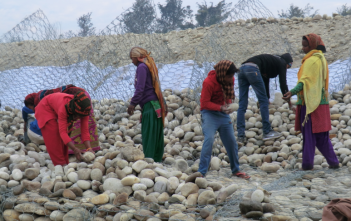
x=141, y=17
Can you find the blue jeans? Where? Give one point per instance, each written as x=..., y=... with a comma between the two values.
x=247, y=76
x=213, y=121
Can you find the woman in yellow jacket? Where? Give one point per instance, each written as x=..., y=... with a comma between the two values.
x=312, y=112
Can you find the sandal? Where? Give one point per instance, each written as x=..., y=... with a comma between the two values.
x=242, y=175
x=302, y=169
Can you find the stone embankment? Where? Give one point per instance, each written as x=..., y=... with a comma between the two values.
x=241, y=38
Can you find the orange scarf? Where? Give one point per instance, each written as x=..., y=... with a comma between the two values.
x=150, y=63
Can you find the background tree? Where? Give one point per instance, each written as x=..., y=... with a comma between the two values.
x=140, y=17
x=85, y=25
x=344, y=10
x=295, y=11
x=209, y=15
x=173, y=14
x=188, y=22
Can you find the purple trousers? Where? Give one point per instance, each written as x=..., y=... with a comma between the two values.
x=313, y=140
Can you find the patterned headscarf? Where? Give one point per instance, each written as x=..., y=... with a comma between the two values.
x=221, y=69
x=315, y=42
x=80, y=105
x=138, y=52
x=35, y=98
x=30, y=99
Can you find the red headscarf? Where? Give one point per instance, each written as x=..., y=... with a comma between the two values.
x=35, y=98
x=80, y=105
x=221, y=69
x=30, y=99
x=314, y=41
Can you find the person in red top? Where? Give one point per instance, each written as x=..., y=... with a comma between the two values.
x=33, y=99
x=56, y=114
x=217, y=92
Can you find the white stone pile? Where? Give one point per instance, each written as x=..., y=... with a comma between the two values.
x=119, y=183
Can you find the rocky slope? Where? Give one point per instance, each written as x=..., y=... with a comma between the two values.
x=239, y=39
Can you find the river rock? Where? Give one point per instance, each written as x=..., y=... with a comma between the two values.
x=130, y=180
x=31, y=173
x=120, y=199
x=31, y=185
x=139, y=165
x=77, y=215
x=32, y=208
x=96, y=174
x=132, y=154
x=172, y=184
x=11, y=215
x=270, y=167
x=100, y=199
x=57, y=215
x=88, y=156
x=206, y=197
x=116, y=186
x=257, y=196
x=215, y=163
x=84, y=184
x=69, y=194
x=17, y=174
x=188, y=189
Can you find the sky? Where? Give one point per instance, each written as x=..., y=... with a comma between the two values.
x=64, y=13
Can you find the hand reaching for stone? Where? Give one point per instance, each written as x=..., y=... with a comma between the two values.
x=225, y=109
x=78, y=154
x=287, y=96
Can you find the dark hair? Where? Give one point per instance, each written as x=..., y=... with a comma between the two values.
x=232, y=70
x=28, y=103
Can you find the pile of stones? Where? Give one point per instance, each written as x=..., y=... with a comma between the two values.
x=252, y=207
x=119, y=183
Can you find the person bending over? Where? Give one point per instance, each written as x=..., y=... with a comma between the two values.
x=257, y=71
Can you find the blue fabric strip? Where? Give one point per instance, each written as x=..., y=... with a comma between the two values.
x=35, y=128
x=25, y=112
x=42, y=94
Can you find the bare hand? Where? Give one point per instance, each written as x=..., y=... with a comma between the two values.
x=291, y=107
x=287, y=96
x=131, y=109
x=225, y=109
x=78, y=154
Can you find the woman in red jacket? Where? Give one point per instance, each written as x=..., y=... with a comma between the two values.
x=217, y=92
x=33, y=99
x=56, y=114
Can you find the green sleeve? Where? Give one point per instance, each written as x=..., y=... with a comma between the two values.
x=297, y=89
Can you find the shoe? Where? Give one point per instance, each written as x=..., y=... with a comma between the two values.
x=241, y=140
x=271, y=135
x=334, y=167
x=242, y=175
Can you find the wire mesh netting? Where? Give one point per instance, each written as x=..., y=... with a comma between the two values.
x=249, y=23
x=35, y=58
